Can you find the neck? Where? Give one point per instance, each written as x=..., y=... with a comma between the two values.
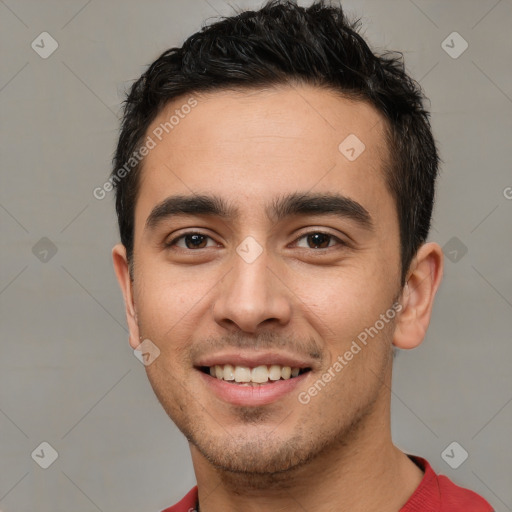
x=361, y=473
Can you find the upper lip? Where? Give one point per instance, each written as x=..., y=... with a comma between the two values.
x=254, y=359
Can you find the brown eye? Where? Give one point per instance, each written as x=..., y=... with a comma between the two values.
x=195, y=241
x=319, y=240
x=191, y=241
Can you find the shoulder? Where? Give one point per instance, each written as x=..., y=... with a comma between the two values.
x=443, y=495
x=454, y=497
x=187, y=504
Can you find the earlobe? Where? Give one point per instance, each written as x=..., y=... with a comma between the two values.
x=122, y=270
x=418, y=295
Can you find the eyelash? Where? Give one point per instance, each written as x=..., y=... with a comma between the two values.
x=174, y=240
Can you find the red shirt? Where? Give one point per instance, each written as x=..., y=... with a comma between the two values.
x=436, y=493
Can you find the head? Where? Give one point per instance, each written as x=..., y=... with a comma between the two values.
x=280, y=209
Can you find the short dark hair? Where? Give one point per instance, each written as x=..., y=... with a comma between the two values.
x=282, y=44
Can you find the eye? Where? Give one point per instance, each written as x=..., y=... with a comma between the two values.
x=319, y=239
x=194, y=240
x=191, y=240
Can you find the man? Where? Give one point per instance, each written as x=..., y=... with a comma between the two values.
x=275, y=182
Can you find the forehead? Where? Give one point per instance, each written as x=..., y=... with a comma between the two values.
x=251, y=146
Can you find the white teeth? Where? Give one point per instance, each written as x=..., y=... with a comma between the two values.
x=228, y=373
x=286, y=372
x=275, y=372
x=242, y=374
x=258, y=375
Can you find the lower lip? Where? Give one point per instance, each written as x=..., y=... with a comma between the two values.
x=262, y=394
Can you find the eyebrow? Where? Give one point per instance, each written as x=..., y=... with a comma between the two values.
x=282, y=207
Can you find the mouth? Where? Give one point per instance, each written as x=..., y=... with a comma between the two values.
x=247, y=376
x=254, y=378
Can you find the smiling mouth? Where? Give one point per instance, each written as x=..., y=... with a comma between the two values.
x=255, y=376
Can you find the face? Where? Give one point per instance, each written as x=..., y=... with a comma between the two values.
x=291, y=254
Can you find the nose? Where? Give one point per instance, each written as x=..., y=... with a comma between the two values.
x=251, y=297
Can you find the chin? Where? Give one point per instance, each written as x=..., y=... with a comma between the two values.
x=253, y=459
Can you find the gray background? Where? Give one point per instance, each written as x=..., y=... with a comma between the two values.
x=67, y=373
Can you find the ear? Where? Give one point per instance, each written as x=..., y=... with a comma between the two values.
x=122, y=269
x=423, y=279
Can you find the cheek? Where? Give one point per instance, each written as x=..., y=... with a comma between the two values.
x=344, y=314
x=346, y=299
x=168, y=304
